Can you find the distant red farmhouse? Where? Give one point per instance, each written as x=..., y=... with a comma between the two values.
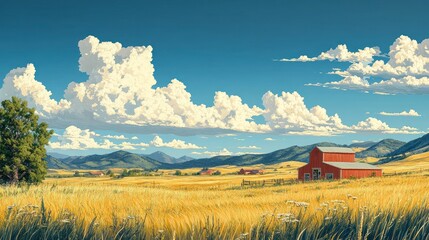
x=206, y=172
x=250, y=171
x=335, y=163
x=96, y=173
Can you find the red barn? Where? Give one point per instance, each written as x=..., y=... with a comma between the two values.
x=335, y=163
x=206, y=172
x=250, y=171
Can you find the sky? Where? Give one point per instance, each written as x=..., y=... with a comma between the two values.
x=204, y=78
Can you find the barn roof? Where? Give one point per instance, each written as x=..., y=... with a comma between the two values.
x=352, y=165
x=336, y=150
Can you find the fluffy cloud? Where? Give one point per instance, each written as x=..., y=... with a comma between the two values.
x=120, y=89
x=373, y=125
x=75, y=138
x=341, y=54
x=405, y=72
x=269, y=139
x=287, y=113
x=120, y=94
x=78, y=139
x=177, y=144
x=411, y=113
x=21, y=82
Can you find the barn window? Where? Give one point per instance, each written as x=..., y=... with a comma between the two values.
x=306, y=176
x=329, y=176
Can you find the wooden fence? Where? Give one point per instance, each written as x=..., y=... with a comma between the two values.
x=267, y=182
x=405, y=173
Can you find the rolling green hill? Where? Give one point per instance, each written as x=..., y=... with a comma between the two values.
x=415, y=146
x=118, y=159
x=365, y=144
x=54, y=163
x=381, y=148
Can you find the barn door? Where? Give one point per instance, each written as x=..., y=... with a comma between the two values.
x=316, y=173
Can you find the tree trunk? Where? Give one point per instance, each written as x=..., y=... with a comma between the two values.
x=15, y=177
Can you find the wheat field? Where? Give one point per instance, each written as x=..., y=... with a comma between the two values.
x=185, y=207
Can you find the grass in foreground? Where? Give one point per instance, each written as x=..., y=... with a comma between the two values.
x=337, y=222
x=215, y=207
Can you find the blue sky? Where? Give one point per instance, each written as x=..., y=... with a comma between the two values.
x=228, y=46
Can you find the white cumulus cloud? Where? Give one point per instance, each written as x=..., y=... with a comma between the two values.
x=21, y=82
x=405, y=72
x=121, y=93
x=373, y=125
x=78, y=139
x=287, y=113
x=175, y=143
x=75, y=138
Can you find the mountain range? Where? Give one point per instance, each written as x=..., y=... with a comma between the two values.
x=165, y=158
x=385, y=149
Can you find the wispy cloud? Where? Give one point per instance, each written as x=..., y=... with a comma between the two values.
x=248, y=147
x=117, y=137
x=341, y=54
x=222, y=152
x=411, y=113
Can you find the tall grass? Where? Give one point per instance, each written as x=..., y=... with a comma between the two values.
x=375, y=208
x=338, y=222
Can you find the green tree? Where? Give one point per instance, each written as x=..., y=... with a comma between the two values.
x=110, y=173
x=22, y=143
x=125, y=173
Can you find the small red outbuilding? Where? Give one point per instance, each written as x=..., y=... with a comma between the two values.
x=250, y=171
x=335, y=163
